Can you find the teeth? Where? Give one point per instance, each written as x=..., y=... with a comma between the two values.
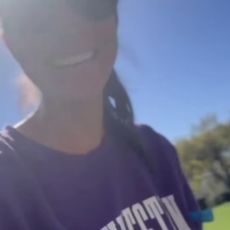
x=74, y=60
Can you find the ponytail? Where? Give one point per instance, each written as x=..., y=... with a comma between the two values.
x=118, y=113
x=119, y=120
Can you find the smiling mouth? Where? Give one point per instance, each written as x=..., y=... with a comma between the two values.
x=74, y=60
x=80, y=58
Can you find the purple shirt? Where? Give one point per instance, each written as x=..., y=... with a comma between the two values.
x=110, y=188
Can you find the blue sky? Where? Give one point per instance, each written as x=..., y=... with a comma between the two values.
x=174, y=60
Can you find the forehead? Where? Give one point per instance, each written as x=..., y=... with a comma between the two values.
x=95, y=9
x=35, y=13
x=17, y=7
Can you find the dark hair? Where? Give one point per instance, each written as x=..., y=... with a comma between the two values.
x=94, y=9
x=118, y=113
x=119, y=120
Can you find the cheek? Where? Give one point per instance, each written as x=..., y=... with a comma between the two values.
x=22, y=50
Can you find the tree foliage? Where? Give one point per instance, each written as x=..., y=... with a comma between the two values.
x=207, y=151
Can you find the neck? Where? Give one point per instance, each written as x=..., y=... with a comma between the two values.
x=74, y=127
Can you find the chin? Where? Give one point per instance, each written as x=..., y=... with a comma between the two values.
x=78, y=95
x=77, y=88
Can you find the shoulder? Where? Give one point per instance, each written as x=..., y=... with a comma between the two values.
x=12, y=168
x=8, y=153
x=159, y=150
x=17, y=190
x=151, y=134
x=169, y=173
x=153, y=140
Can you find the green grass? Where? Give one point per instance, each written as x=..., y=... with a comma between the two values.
x=222, y=218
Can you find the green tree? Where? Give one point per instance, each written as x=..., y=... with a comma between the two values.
x=207, y=150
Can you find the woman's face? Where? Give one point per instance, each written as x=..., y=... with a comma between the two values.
x=63, y=52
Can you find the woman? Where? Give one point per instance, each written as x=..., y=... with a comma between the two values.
x=79, y=162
